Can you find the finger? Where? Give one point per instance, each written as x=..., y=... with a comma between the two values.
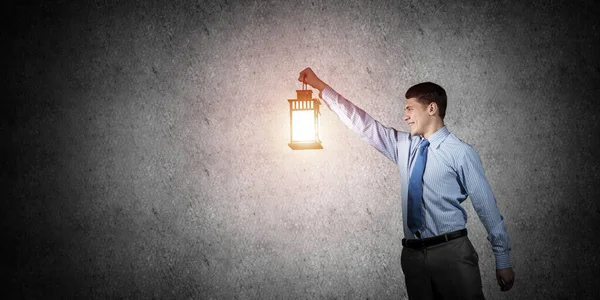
x=507, y=284
x=501, y=283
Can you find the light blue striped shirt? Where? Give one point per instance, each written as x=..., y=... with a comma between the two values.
x=453, y=172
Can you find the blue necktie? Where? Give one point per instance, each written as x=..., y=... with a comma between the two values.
x=415, y=189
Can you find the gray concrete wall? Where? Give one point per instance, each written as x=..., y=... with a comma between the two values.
x=145, y=144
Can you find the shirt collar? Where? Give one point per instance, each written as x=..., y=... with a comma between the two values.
x=438, y=137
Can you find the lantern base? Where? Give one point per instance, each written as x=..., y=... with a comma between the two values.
x=305, y=146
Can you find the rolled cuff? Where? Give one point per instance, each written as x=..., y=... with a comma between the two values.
x=502, y=261
x=328, y=94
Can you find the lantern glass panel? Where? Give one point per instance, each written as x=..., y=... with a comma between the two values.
x=303, y=126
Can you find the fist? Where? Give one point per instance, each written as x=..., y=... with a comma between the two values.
x=506, y=278
x=309, y=77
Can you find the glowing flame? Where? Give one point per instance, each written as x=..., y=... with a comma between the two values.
x=303, y=126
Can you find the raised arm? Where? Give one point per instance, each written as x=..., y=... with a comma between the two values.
x=383, y=138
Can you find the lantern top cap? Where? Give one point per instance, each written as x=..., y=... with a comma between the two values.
x=304, y=94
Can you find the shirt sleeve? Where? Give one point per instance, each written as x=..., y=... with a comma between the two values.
x=477, y=187
x=383, y=138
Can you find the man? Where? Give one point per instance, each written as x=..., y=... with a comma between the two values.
x=438, y=171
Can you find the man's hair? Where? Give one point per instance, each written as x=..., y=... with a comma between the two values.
x=427, y=92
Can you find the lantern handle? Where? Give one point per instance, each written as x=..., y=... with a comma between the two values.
x=304, y=86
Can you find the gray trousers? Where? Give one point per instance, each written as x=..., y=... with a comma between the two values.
x=448, y=270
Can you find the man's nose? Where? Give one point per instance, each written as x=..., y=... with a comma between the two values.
x=405, y=117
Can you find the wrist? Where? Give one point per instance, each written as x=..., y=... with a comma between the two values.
x=320, y=85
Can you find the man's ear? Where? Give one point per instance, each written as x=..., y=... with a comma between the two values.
x=432, y=109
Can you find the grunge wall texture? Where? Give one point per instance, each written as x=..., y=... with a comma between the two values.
x=145, y=144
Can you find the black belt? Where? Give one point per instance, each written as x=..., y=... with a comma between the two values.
x=427, y=242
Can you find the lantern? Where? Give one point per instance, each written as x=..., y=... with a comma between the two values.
x=304, y=121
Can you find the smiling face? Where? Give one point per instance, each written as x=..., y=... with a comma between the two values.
x=425, y=108
x=417, y=116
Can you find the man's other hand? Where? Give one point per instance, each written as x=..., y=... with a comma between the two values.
x=506, y=278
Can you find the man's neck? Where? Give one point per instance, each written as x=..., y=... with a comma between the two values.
x=433, y=128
